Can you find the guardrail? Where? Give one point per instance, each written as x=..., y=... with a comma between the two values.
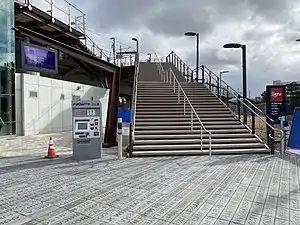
x=169, y=77
x=133, y=105
x=69, y=14
x=254, y=118
x=182, y=67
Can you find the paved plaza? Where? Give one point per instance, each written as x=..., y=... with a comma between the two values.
x=237, y=189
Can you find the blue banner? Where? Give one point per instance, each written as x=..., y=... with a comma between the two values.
x=124, y=114
x=294, y=139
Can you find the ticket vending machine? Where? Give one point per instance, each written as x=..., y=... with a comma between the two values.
x=87, y=129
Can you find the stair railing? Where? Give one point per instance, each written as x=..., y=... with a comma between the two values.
x=133, y=105
x=169, y=77
x=253, y=118
x=181, y=66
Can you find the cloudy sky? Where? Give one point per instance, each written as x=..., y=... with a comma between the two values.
x=269, y=28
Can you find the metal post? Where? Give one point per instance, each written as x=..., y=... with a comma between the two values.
x=120, y=144
x=244, y=82
x=84, y=23
x=203, y=74
x=253, y=119
x=51, y=7
x=239, y=107
x=209, y=82
x=69, y=14
x=219, y=88
x=178, y=94
x=227, y=97
x=283, y=140
x=201, y=138
x=209, y=146
x=197, y=58
x=192, y=120
x=184, y=105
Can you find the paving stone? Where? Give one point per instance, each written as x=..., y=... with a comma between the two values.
x=282, y=213
x=281, y=222
x=167, y=190
x=253, y=219
x=266, y=220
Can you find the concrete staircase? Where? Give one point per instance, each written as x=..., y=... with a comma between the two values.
x=161, y=128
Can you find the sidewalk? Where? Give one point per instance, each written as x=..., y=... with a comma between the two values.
x=237, y=189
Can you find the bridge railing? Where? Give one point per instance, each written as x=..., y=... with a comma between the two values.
x=69, y=14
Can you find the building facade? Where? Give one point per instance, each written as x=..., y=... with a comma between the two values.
x=7, y=69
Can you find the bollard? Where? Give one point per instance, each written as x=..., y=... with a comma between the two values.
x=120, y=133
x=283, y=128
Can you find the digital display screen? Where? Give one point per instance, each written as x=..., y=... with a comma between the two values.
x=38, y=57
x=82, y=126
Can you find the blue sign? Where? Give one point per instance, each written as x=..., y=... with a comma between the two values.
x=294, y=139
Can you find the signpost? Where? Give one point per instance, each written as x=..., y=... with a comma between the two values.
x=276, y=108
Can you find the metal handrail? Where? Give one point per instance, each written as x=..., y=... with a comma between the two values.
x=133, y=103
x=245, y=105
x=167, y=78
x=187, y=71
x=232, y=89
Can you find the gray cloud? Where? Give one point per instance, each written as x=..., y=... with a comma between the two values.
x=268, y=27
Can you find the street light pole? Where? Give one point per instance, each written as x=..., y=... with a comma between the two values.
x=244, y=75
x=197, y=57
x=244, y=72
x=194, y=34
x=114, y=48
x=137, y=44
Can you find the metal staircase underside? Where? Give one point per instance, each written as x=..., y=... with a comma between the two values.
x=161, y=128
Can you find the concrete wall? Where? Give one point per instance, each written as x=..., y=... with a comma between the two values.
x=43, y=105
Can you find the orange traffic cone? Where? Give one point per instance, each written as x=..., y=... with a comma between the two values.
x=51, y=150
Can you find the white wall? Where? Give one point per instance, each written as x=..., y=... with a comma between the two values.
x=50, y=111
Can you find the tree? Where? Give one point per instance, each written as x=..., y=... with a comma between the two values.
x=293, y=96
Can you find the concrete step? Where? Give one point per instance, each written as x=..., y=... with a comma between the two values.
x=181, y=109
x=175, y=96
x=188, y=127
x=199, y=152
x=183, y=119
x=180, y=112
x=176, y=104
x=197, y=146
x=162, y=100
x=198, y=131
x=179, y=141
x=185, y=123
x=191, y=136
x=201, y=115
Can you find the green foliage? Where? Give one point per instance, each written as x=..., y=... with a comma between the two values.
x=293, y=96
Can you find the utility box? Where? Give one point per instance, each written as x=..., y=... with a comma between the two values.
x=87, y=129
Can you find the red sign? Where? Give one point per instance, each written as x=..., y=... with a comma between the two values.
x=276, y=95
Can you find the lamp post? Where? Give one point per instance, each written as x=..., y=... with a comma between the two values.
x=137, y=44
x=114, y=48
x=243, y=47
x=194, y=34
